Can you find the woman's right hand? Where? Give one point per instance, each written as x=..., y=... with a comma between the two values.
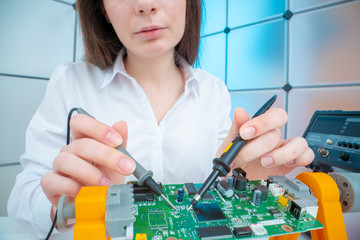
x=89, y=160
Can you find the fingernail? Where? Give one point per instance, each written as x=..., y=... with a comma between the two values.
x=114, y=139
x=267, y=161
x=105, y=181
x=247, y=132
x=290, y=163
x=126, y=165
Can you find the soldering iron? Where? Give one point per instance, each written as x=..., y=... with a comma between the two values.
x=143, y=176
x=222, y=165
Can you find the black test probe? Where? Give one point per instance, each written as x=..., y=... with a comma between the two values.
x=144, y=176
x=222, y=165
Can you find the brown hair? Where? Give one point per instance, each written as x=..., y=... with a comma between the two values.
x=102, y=44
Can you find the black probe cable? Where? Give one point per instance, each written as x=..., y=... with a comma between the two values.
x=222, y=165
x=67, y=143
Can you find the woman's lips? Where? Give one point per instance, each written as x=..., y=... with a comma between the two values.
x=150, y=32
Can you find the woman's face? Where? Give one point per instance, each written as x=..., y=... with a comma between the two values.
x=147, y=28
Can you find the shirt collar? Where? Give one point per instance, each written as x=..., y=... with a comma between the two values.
x=191, y=79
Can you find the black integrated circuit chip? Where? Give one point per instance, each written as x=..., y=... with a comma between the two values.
x=208, y=212
x=143, y=193
x=215, y=232
x=242, y=232
x=241, y=195
x=190, y=189
x=275, y=212
x=208, y=196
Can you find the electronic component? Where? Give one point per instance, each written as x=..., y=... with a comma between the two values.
x=140, y=236
x=283, y=201
x=240, y=183
x=142, y=193
x=275, y=189
x=190, y=189
x=230, y=181
x=275, y=212
x=238, y=172
x=208, y=196
x=215, y=232
x=299, y=208
x=256, y=198
x=208, y=212
x=258, y=229
x=242, y=232
x=241, y=195
x=226, y=190
x=264, y=191
x=180, y=195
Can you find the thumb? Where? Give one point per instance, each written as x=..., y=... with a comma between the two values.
x=122, y=129
x=240, y=117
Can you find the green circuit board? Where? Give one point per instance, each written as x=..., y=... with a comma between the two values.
x=156, y=220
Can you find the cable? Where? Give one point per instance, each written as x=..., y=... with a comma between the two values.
x=67, y=143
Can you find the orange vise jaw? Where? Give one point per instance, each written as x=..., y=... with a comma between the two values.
x=90, y=208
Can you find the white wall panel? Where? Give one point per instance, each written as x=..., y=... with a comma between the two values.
x=7, y=180
x=212, y=55
x=19, y=99
x=297, y=5
x=304, y=102
x=35, y=37
x=245, y=12
x=324, y=46
x=256, y=56
x=214, y=16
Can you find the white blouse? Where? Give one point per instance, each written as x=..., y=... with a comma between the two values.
x=179, y=149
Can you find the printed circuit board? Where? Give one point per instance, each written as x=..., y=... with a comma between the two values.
x=238, y=215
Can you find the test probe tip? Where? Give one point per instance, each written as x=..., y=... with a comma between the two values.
x=190, y=208
x=168, y=202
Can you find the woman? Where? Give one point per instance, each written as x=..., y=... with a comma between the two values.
x=137, y=81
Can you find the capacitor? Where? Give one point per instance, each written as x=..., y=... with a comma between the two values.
x=226, y=190
x=240, y=183
x=264, y=191
x=180, y=195
x=257, y=198
x=230, y=181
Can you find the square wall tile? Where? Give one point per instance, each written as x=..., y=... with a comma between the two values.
x=304, y=102
x=298, y=5
x=324, y=46
x=212, y=55
x=256, y=56
x=36, y=36
x=245, y=12
x=214, y=16
x=19, y=99
x=7, y=181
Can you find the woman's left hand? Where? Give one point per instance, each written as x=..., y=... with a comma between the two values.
x=266, y=153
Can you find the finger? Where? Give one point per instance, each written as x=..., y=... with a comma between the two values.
x=259, y=146
x=85, y=126
x=109, y=157
x=54, y=185
x=271, y=119
x=293, y=149
x=306, y=158
x=80, y=170
x=122, y=129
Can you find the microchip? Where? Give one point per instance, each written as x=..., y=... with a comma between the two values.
x=242, y=232
x=241, y=195
x=144, y=197
x=190, y=189
x=208, y=212
x=208, y=196
x=275, y=212
x=215, y=232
